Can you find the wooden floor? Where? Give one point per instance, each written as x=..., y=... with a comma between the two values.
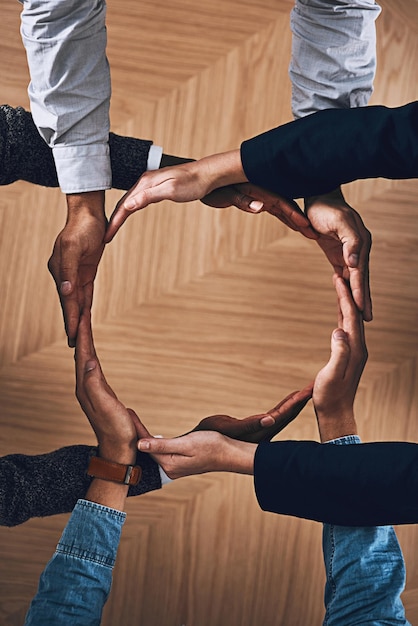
x=200, y=311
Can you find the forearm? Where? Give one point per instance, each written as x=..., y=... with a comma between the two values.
x=318, y=153
x=359, y=485
x=84, y=559
x=333, y=60
x=51, y=483
x=69, y=40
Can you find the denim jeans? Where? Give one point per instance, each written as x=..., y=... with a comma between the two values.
x=365, y=573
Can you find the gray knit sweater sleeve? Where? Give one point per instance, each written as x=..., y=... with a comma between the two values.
x=48, y=484
x=25, y=156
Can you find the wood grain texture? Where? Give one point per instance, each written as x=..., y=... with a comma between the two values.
x=199, y=311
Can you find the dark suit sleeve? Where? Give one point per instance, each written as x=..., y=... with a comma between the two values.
x=49, y=484
x=316, y=154
x=369, y=484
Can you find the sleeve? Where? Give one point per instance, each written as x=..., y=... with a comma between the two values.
x=316, y=154
x=24, y=155
x=74, y=586
x=372, y=484
x=50, y=484
x=365, y=576
x=333, y=61
x=70, y=87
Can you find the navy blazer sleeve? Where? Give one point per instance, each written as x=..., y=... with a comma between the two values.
x=316, y=154
x=370, y=484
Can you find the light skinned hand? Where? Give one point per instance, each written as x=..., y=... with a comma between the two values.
x=346, y=243
x=336, y=384
x=221, y=442
x=200, y=452
x=217, y=181
x=76, y=255
x=111, y=421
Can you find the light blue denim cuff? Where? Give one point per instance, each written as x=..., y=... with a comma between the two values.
x=92, y=533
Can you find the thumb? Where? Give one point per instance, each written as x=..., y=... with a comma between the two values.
x=162, y=446
x=352, y=245
x=340, y=353
x=68, y=269
x=141, y=430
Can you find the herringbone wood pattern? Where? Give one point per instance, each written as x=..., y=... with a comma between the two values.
x=199, y=311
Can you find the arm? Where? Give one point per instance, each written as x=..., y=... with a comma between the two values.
x=70, y=94
x=87, y=550
x=333, y=61
x=333, y=66
x=51, y=483
x=220, y=442
x=355, y=485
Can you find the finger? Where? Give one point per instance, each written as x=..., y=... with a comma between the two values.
x=356, y=251
x=286, y=411
x=85, y=349
x=117, y=219
x=340, y=354
x=88, y=296
x=292, y=402
x=141, y=430
x=67, y=285
x=165, y=446
x=351, y=319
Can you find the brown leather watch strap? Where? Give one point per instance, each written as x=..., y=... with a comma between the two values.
x=115, y=472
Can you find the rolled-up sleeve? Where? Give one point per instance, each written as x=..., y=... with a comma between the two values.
x=76, y=582
x=333, y=60
x=65, y=42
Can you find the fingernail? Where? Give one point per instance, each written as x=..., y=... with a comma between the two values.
x=339, y=334
x=256, y=205
x=144, y=445
x=65, y=287
x=129, y=204
x=267, y=421
x=90, y=365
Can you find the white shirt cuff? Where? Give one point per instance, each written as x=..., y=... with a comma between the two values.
x=83, y=168
x=154, y=158
x=164, y=478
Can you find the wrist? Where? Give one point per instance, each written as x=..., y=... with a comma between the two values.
x=89, y=203
x=239, y=457
x=224, y=169
x=124, y=454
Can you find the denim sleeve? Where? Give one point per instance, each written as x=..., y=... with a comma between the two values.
x=75, y=584
x=333, y=62
x=65, y=43
x=365, y=573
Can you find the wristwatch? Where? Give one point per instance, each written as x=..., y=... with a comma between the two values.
x=115, y=472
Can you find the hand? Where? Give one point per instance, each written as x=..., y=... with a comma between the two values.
x=336, y=384
x=200, y=452
x=199, y=180
x=253, y=199
x=229, y=447
x=261, y=427
x=112, y=423
x=346, y=243
x=76, y=255
x=180, y=183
